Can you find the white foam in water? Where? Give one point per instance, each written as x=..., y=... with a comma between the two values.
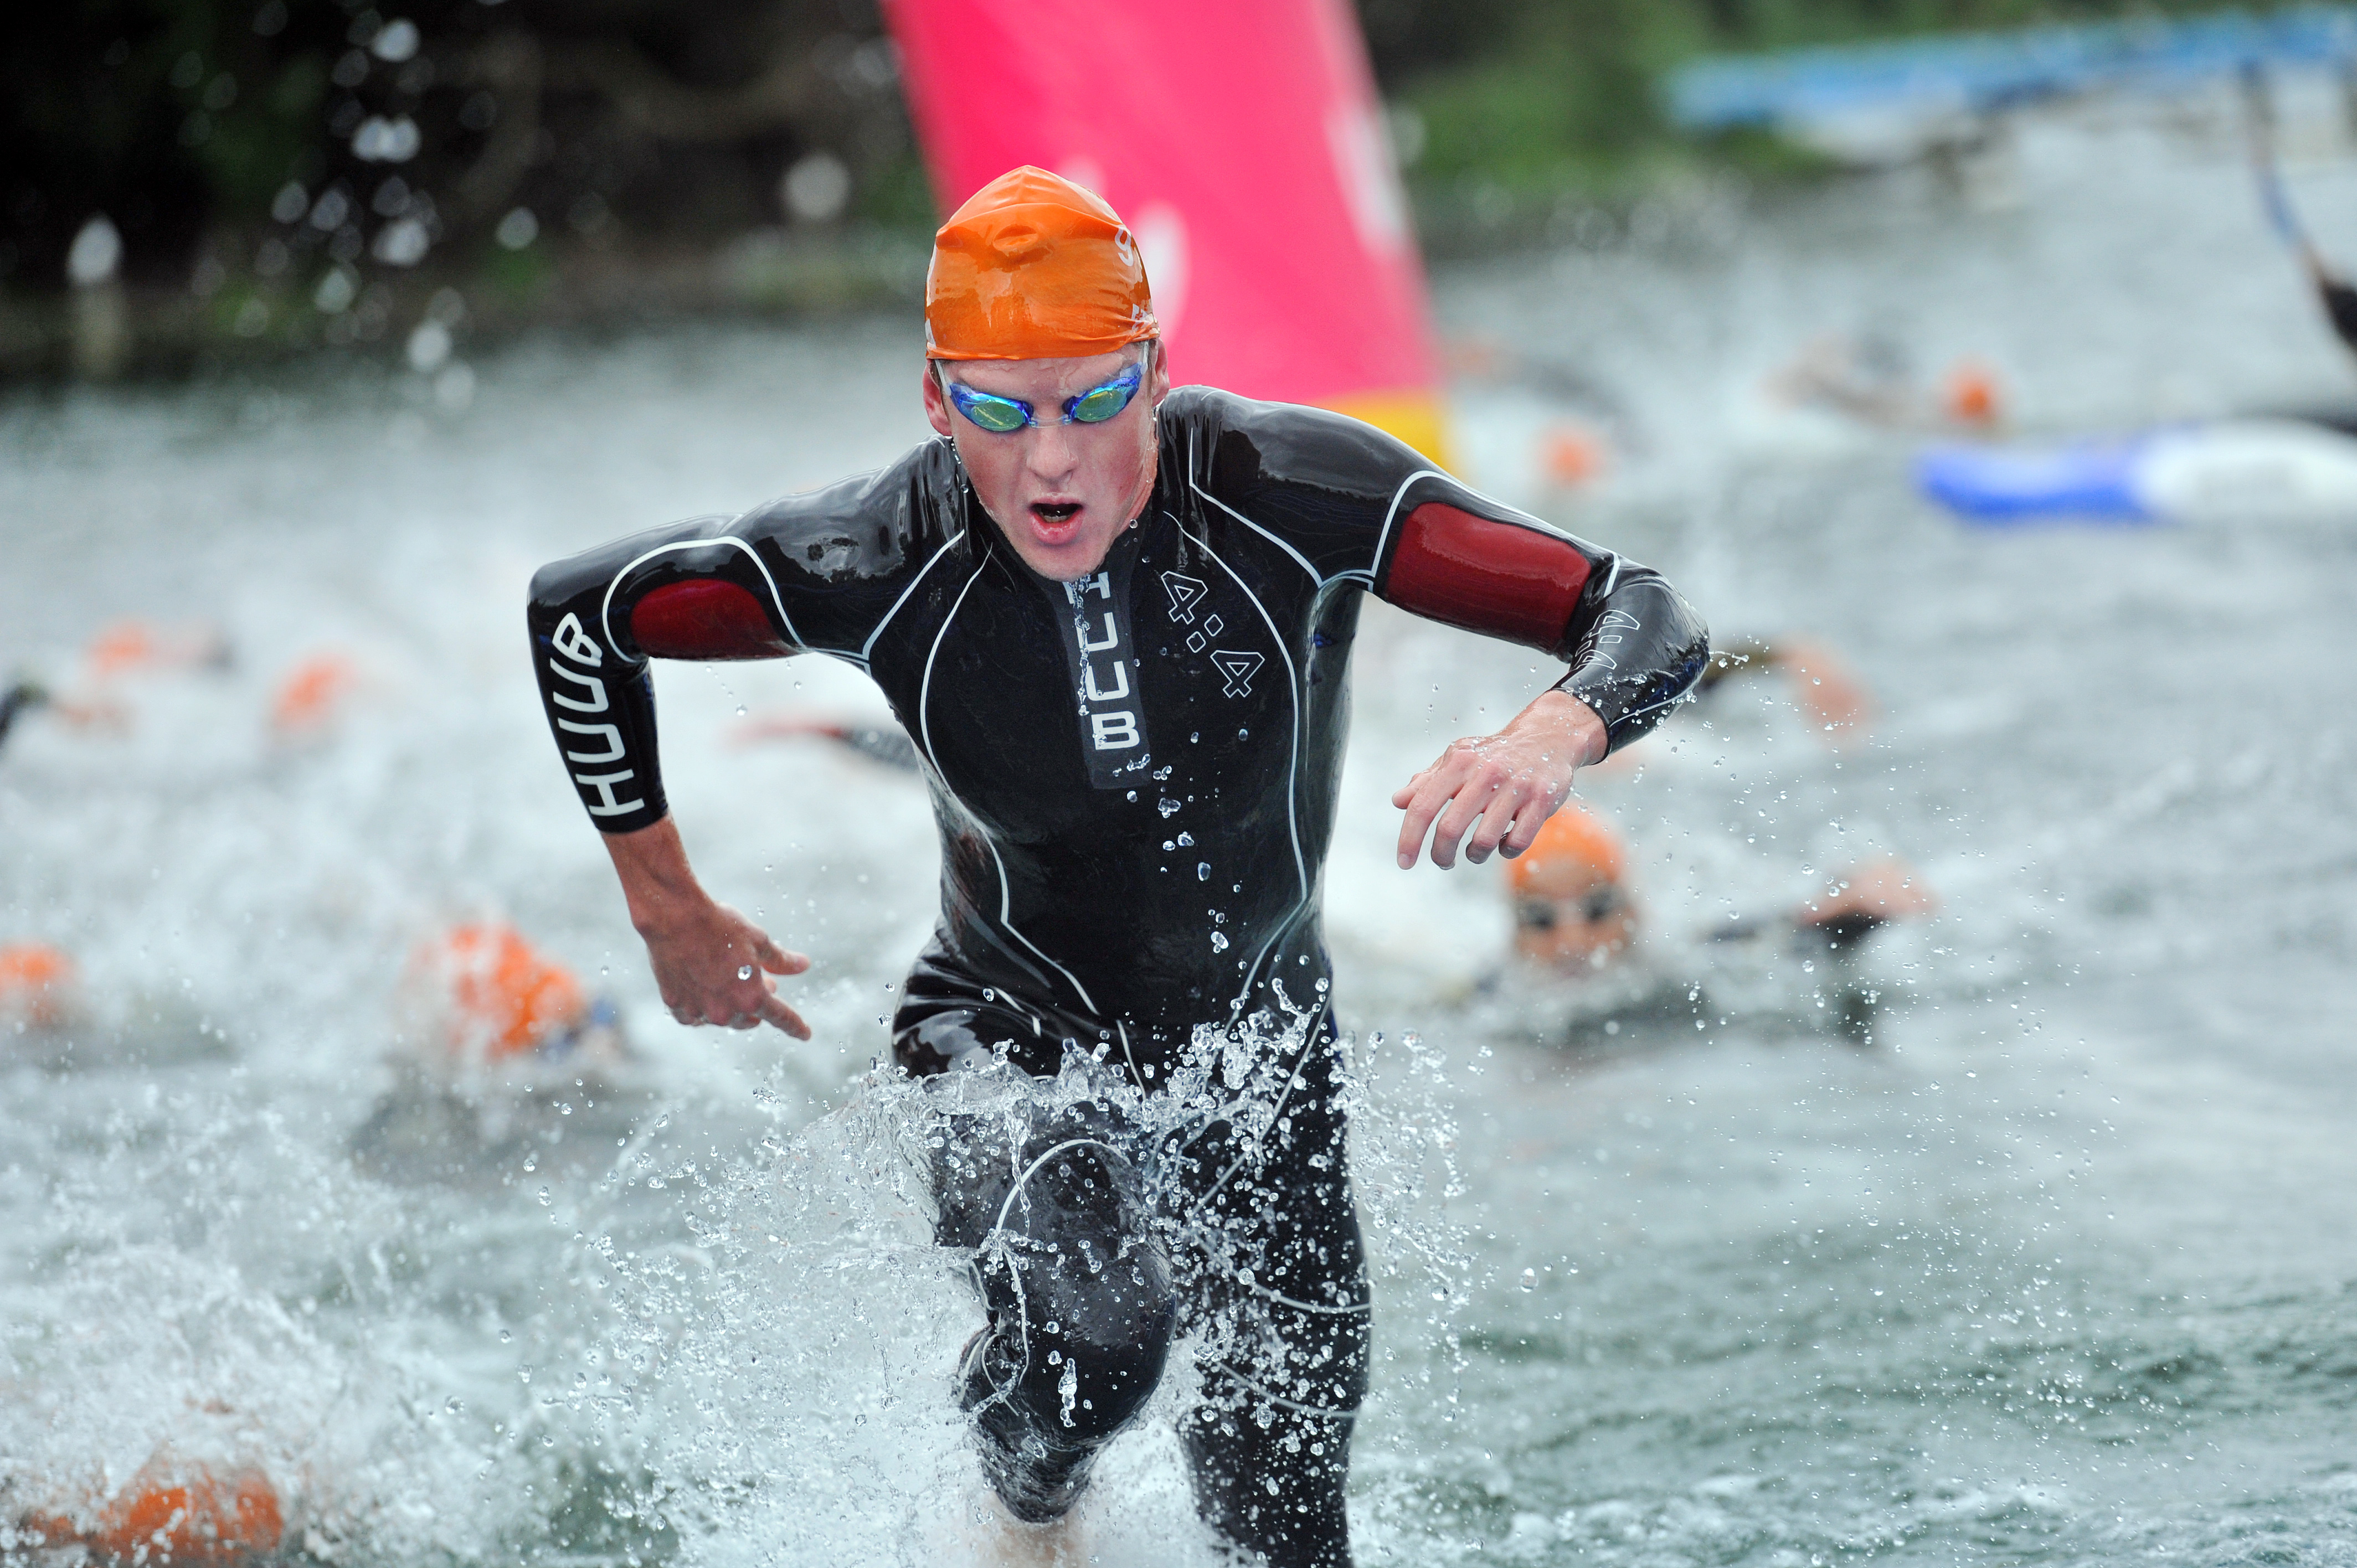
x=1666, y=1269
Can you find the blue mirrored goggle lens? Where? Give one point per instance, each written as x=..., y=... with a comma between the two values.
x=1100, y=403
x=996, y=415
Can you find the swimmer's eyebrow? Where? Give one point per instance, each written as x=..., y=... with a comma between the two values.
x=941, y=367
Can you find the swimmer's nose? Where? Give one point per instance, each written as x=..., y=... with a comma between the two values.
x=1053, y=455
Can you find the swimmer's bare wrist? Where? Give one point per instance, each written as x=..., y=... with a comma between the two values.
x=658, y=884
x=1585, y=736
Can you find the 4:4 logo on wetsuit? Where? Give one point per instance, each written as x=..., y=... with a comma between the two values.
x=1237, y=666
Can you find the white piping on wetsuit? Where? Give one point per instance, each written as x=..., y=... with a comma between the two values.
x=866, y=648
x=1278, y=1399
x=1282, y=1300
x=1022, y=1299
x=1264, y=532
x=925, y=730
x=1292, y=764
x=1309, y=1036
x=605, y=606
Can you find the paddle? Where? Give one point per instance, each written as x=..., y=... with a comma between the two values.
x=2259, y=122
x=2339, y=300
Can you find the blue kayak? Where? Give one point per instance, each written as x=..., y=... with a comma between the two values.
x=2223, y=470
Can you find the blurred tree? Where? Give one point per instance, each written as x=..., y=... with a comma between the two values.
x=1538, y=97
x=319, y=125
x=284, y=140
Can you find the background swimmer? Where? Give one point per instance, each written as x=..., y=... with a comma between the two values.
x=172, y=1511
x=503, y=1051
x=1577, y=919
x=1817, y=677
x=40, y=988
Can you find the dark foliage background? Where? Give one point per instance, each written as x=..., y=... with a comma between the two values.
x=243, y=148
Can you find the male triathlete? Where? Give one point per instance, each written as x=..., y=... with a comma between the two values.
x=1115, y=619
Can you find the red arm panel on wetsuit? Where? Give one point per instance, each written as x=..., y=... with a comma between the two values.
x=707, y=619
x=1491, y=577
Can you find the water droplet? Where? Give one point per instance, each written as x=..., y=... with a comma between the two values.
x=1218, y=943
x=1187, y=841
x=1202, y=871
x=544, y=1200
x=1530, y=1279
x=1165, y=805
x=743, y=971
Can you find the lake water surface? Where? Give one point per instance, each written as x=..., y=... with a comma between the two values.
x=2060, y=1266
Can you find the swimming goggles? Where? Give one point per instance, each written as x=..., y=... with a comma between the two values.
x=1545, y=914
x=1005, y=415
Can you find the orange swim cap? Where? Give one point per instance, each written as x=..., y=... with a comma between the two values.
x=498, y=994
x=126, y=645
x=37, y=983
x=182, y=1516
x=1970, y=394
x=312, y=694
x=1573, y=854
x=1034, y=267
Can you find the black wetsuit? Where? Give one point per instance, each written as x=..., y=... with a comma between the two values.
x=21, y=698
x=2339, y=303
x=1134, y=778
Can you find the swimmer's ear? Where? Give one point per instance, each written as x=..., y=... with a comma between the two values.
x=1157, y=375
x=937, y=402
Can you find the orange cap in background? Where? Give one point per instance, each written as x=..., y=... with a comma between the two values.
x=1034, y=267
x=312, y=694
x=129, y=646
x=1572, y=453
x=177, y=1514
x=37, y=984
x=123, y=646
x=497, y=993
x=1574, y=853
x=1969, y=394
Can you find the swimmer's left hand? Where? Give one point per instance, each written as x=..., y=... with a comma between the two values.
x=1512, y=781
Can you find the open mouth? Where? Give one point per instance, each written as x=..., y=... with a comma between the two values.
x=1055, y=513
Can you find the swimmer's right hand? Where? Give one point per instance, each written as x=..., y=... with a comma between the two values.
x=713, y=966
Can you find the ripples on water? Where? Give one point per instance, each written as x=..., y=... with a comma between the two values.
x=2058, y=1269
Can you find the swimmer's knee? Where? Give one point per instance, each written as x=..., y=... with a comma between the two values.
x=1082, y=1309
x=1080, y=1356
x=1048, y=1393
